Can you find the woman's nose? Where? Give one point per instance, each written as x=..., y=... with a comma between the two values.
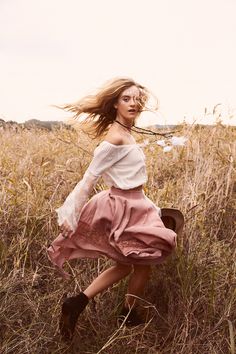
x=133, y=101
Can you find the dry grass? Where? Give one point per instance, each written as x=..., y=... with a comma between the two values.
x=190, y=301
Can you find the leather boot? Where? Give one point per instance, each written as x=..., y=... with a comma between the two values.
x=130, y=317
x=72, y=307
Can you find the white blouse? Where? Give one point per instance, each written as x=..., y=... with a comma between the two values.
x=121, y=166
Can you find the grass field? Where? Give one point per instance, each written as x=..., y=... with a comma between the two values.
x=190, y=302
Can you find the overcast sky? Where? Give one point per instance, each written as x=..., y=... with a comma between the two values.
x=55, y=51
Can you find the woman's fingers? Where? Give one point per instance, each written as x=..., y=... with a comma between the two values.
x=65, y=230
x=66, y=234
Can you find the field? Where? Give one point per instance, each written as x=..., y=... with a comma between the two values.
x=190, y=302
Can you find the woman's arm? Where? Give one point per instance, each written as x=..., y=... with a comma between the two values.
x=105, y=155
x=69, y=213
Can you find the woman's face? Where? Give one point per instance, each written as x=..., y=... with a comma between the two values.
x=127, y=104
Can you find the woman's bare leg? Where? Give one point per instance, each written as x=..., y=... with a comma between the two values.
x=107, y=278
x=137, y=282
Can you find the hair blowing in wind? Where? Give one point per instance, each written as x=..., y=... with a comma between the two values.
x=99, y=106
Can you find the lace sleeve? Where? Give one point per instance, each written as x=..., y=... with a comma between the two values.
x=105, y=155
x=71, y=209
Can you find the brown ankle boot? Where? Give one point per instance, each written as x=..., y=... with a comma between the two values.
x=130, y=317
x=72, y=307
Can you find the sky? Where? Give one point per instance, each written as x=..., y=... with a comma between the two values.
x=56, y=51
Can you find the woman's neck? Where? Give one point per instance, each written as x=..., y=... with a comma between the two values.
x=125, y=126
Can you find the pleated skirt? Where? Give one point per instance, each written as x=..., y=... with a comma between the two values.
x=123, y=225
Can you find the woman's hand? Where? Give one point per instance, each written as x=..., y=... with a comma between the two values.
x=66, y=230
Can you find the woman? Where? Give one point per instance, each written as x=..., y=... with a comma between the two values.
x=120, y=222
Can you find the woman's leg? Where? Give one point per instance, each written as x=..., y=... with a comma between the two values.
x=107, y=278
x=137, y=282
x=73, y=306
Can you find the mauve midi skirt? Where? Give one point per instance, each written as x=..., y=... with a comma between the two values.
x=122, y=225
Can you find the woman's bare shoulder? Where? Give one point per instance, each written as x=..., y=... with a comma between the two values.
x=114, y=138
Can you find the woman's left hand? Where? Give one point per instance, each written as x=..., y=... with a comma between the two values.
x=66, y=230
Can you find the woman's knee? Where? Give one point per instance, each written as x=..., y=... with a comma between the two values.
x=124, y=268
x=142, y=269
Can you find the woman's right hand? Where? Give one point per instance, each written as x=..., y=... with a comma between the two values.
x=65, y=230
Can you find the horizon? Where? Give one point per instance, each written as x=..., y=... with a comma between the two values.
x=150, y=125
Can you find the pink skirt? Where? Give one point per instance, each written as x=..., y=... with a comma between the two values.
x=122, y=225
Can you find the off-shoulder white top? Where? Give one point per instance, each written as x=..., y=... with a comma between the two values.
x=121, y=166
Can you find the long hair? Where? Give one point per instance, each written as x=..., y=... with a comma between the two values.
x=99, y=107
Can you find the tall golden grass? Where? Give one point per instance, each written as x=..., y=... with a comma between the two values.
x=190, y=301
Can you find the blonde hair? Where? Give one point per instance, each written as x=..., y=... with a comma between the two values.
x=100, y=106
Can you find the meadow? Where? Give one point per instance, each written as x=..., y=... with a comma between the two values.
x=190, y=302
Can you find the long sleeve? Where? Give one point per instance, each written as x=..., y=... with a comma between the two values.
x=105, y=155
x=71, y=209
